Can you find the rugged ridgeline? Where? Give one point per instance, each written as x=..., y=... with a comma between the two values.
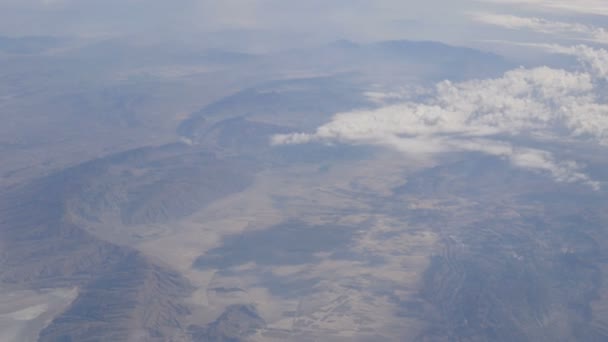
x=521, y=260
x=157, y=184
x=277, y=106
x=235, y=324
x=122, y=293
x=135, y=299
x=73, y=227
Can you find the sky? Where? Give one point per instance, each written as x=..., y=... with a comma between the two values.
x=464, y=22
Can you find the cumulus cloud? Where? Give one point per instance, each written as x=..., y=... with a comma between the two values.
x=484, y=116
x=563, y=29
x=594, y=61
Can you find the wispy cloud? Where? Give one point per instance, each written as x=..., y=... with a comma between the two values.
x=541, y=25
x=594, y=7
x=482, y=116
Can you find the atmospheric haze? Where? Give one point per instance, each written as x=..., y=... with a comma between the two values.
x=275, y=170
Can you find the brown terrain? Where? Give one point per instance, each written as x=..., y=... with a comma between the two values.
x=156, y=209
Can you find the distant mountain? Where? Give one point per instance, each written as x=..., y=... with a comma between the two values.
x=127, y=53
x=454, y=62
x=413, y=48
x=28, y=45
x=424, y=49
x=301, y=103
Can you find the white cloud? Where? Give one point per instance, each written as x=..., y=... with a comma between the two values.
x=477, y=115
x=595, y=7
x=595, y=61
x=562, y=29
x=561, y=171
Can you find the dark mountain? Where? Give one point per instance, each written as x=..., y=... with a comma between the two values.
x=234, y=325
x=121, y=292
x=42, y=249
x=302, y=103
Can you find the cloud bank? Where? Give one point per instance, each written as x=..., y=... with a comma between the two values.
x=485, y=115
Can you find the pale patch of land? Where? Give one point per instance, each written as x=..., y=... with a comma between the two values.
x=348, y=296
x=23, y=314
